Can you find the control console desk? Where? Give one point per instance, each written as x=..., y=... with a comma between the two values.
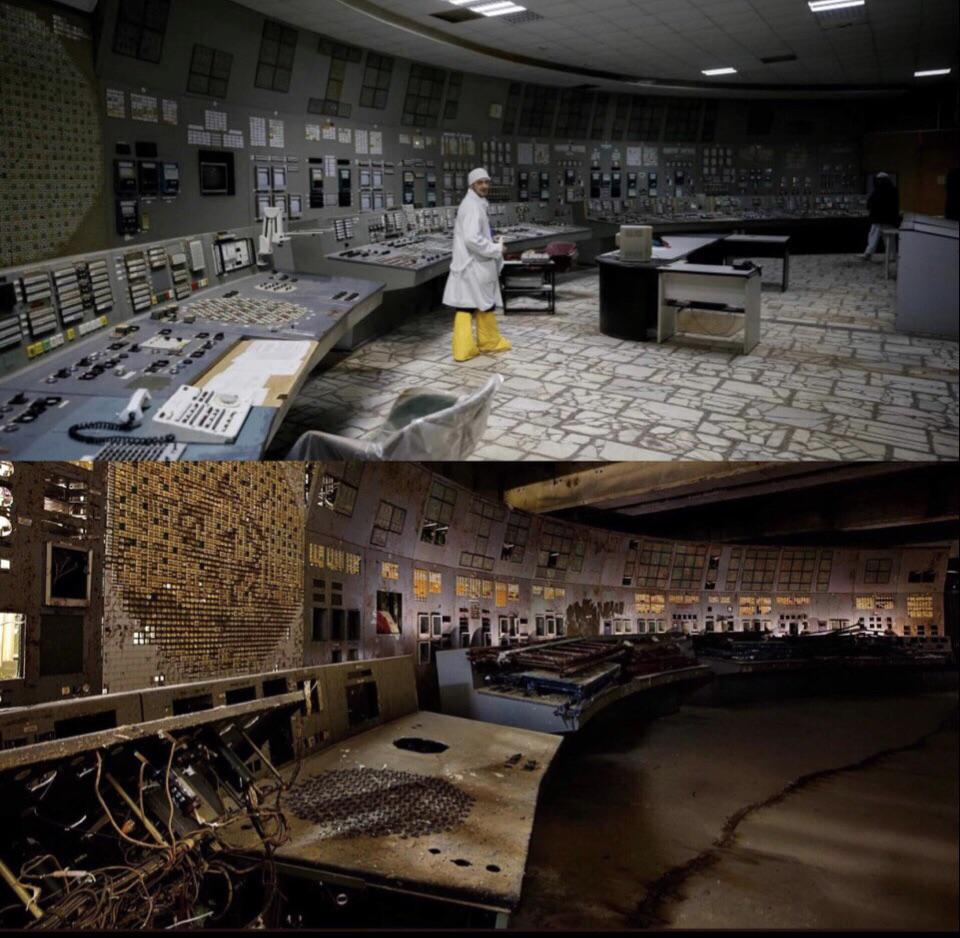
x=242, y=349
x=410, y=248
x=629, y=301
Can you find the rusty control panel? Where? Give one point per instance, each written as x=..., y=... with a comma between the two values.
x=558, y=686
x=312, y=797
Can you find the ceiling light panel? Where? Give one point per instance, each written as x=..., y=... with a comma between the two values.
x=823, y=6
x=489, y=7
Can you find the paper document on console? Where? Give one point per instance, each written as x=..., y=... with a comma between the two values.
x=261, y=370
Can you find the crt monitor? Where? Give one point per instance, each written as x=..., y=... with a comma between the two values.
x=213, y=178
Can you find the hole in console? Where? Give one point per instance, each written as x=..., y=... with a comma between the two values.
x=417, y=744
x=185, y=705
x=240, y=695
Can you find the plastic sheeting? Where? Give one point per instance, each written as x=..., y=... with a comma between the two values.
x=420, y=425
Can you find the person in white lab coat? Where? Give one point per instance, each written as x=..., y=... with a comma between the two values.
x=473, y=286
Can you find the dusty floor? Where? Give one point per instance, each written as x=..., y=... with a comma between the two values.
x=830, y=379
x=824, y=813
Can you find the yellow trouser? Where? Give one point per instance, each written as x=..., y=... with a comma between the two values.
x=464, y=344
x=488, y=339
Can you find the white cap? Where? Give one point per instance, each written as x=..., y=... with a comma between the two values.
x=476, y=175
x=883, y=175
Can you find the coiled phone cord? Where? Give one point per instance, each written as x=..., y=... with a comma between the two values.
x=78, y=432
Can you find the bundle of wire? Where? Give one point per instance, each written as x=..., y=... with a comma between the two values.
x=163, y=878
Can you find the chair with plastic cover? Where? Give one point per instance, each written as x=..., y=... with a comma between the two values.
x=564, y=254
x=421, y=424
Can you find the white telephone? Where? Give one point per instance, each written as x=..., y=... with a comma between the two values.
x=132, y=414
x=271, y=232
x=198, y=415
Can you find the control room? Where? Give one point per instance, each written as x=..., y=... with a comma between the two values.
x=533, y=696
x=451, y=229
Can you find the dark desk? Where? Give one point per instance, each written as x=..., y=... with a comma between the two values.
x=628, y=289
x=751, y=245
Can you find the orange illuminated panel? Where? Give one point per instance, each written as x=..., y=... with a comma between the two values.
x=755, y=605
x=920, y=606
x=649, y=602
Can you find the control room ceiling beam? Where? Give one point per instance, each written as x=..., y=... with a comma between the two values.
x=635, y=489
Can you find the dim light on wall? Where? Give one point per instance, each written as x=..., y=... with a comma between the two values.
x=711, y=72
x=11, y=645
x=930, y=72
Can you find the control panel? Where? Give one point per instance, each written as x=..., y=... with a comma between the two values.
x=422, y=239
x=80, y=336
x=647, y=210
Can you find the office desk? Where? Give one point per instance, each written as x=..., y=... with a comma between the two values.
x=752, y=245
x=709, y=304
x=628, y=289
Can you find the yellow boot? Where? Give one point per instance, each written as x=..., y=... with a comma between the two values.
x=488, y=335
x=464, y=344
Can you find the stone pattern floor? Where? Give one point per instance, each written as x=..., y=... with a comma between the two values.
x=830, y=379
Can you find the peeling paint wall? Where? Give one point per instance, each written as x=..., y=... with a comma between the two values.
x=203, y=574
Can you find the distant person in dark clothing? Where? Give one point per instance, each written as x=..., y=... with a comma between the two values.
x=883, y=204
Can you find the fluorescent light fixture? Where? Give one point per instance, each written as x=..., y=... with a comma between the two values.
x=489, y=7
x=931, y=71
x=719, y=71
x=498, y=8
x=821, y=6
